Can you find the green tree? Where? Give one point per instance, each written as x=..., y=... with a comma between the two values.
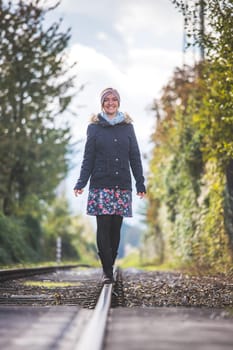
x=214, y=117
x=35, y=84
x=176, y=167
x=192, y=162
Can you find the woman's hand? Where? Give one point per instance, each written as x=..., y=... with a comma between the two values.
x=141, y=194
x=78, y=192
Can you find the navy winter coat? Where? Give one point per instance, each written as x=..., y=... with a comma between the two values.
x=110, y=152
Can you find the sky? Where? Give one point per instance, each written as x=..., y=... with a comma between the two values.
x=131, y=45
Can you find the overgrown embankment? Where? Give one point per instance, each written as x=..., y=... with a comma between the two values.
x=190, y=211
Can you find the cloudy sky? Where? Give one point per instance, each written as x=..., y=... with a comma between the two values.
x=131, y=45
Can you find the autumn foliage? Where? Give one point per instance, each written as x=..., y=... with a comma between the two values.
x=190, y=207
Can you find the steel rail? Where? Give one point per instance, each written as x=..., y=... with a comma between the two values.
x=93, y=334
x=9, y=274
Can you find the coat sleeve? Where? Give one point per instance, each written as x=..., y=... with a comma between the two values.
x=88, y=159
x=135, y=162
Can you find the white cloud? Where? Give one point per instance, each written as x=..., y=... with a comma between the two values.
x=157, y=19
x=146, y=73
x=103, y=36
x=133, y=19
x=96, y=8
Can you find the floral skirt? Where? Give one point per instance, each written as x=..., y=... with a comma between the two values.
x=105, y=201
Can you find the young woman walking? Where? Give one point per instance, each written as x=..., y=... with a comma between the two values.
x=111, y=150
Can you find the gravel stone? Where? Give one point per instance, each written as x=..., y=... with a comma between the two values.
x=176, y=289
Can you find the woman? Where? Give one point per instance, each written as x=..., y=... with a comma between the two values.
x=111, y=149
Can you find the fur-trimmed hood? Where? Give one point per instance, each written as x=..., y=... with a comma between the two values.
x=95, y=119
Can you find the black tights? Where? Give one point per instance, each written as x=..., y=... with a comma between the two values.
x=108, y=239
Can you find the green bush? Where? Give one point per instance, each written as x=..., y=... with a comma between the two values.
x=13, y=243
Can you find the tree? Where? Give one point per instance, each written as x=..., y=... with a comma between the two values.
x=176, y=167
x=35, y=90
x=192, y=162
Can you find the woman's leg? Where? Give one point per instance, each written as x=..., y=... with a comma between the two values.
x=116, y=223
x=104, y=243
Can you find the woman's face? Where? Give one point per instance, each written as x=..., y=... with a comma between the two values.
x=110, y=105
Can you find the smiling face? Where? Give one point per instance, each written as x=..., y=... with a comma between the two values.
x=110, y=105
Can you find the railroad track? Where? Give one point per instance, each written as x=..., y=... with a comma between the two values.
x=86, y=316
x=9, y=274
x=94, y=332
x=89, y=293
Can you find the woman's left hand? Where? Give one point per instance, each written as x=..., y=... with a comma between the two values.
x=141, y=194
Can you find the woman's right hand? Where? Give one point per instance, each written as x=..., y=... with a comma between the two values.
x=78, y=192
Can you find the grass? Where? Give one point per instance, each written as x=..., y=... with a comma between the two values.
x=51, y=284
x=134, y=260
x=131, y=260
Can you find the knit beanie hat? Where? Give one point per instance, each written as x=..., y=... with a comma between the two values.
x=108, y=91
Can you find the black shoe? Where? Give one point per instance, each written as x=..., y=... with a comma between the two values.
x=107, y=279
